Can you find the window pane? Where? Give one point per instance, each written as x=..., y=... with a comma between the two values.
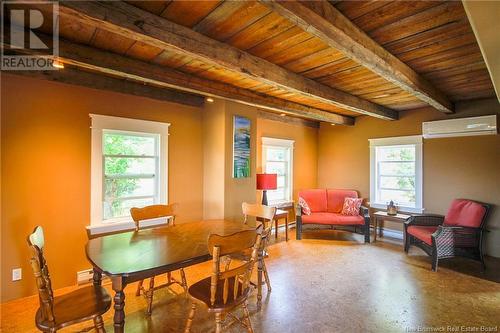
x=128, y=187
x=128, y=144
x=276, y=195
x=281, y=181
x=401, y=183
x=399, y=197
x=405, y=153
x=121, y=208
x=276, y=154
x=276, y=167
x=129, y=166
x=396, y=168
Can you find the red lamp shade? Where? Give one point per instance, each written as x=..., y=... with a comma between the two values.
x=267, y=181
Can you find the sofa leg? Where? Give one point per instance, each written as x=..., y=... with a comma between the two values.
x=298, y=228
x=481, y=258
x=407, y=243
x=434, y=263
x=367, y=234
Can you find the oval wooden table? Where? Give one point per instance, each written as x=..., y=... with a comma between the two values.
x=132, y=256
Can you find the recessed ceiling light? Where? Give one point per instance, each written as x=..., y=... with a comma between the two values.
x=332, y=124
x=210, y=100
x=58, y=64
x=283, y=114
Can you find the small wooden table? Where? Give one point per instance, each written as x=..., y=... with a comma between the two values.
x=380, y=215
x=281, y=214
x=136, y=255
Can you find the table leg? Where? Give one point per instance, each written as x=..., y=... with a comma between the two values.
x=97, y=277
x=276, y=229
x=379, y=229
x=259, y=279
x=119, y=318
x=286, y=228
x=376, y=225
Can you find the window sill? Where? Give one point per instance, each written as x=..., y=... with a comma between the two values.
x=281, y=203
x=401, y=209
x=123, y=225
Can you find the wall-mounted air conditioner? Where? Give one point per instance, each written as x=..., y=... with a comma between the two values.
x=484, y=125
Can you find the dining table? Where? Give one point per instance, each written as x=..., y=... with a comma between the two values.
x=136, y=255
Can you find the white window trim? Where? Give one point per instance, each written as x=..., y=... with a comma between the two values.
x=100, y=123
x=268, y=142
x=398, y=141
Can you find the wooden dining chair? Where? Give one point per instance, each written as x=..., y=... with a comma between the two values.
x=147, y=213
x=55, y=313
x=264, y=215
x=226, y=289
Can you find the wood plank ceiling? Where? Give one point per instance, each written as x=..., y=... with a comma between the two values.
x=433, y=38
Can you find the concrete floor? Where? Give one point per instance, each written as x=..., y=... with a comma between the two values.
x=328, y=282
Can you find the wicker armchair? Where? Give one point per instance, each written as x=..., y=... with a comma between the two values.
x=459, y=233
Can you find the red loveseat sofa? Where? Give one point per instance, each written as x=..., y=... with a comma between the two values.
x=326, y=207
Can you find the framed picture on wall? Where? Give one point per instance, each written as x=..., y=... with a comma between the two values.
x=241, y=147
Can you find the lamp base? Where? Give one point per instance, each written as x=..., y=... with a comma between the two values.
x=264, y=197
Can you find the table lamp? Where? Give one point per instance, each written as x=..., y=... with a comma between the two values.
x=266, y=181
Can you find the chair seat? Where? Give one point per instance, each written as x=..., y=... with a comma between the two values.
x=201, y=291
x=423, y=233
x=77, y=306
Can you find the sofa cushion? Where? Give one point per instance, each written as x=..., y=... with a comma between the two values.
x=351, y=206
x=316, y=199
x=423, y=233
x=332, y=219
x=336, y=199
x=464, y=213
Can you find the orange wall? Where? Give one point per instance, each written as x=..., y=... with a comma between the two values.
x=462, y=167
x=305, y=154
x=45, y=169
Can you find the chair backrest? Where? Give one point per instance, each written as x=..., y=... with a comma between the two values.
x=466, y=213
x=261, y=212
x=36, y=242
x=239, y=276
x=152, y=212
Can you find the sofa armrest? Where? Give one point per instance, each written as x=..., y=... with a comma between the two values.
x=425, y=220
x=298, y=210
x=363, y=211
x=447, y=237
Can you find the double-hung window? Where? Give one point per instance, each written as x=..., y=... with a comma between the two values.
x=128, y=169
x=277, y=157
x=396, y=173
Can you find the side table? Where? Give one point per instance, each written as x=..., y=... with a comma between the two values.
x=381, y=216
x=281, y=214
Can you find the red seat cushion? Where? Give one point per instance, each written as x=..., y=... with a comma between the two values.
x=465, y=213
x=336, y=199
x=332, y=219
x=316, y=199
x=422, y=232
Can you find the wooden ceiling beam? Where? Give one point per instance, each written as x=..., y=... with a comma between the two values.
x=115, y=65
x=129, y=21
x=324, y=21
x=101, y=82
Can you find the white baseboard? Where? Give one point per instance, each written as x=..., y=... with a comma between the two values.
x=392, y=233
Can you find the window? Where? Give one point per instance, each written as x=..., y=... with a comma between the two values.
x=129, y=169
x=277, y=157
x=396, y=172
